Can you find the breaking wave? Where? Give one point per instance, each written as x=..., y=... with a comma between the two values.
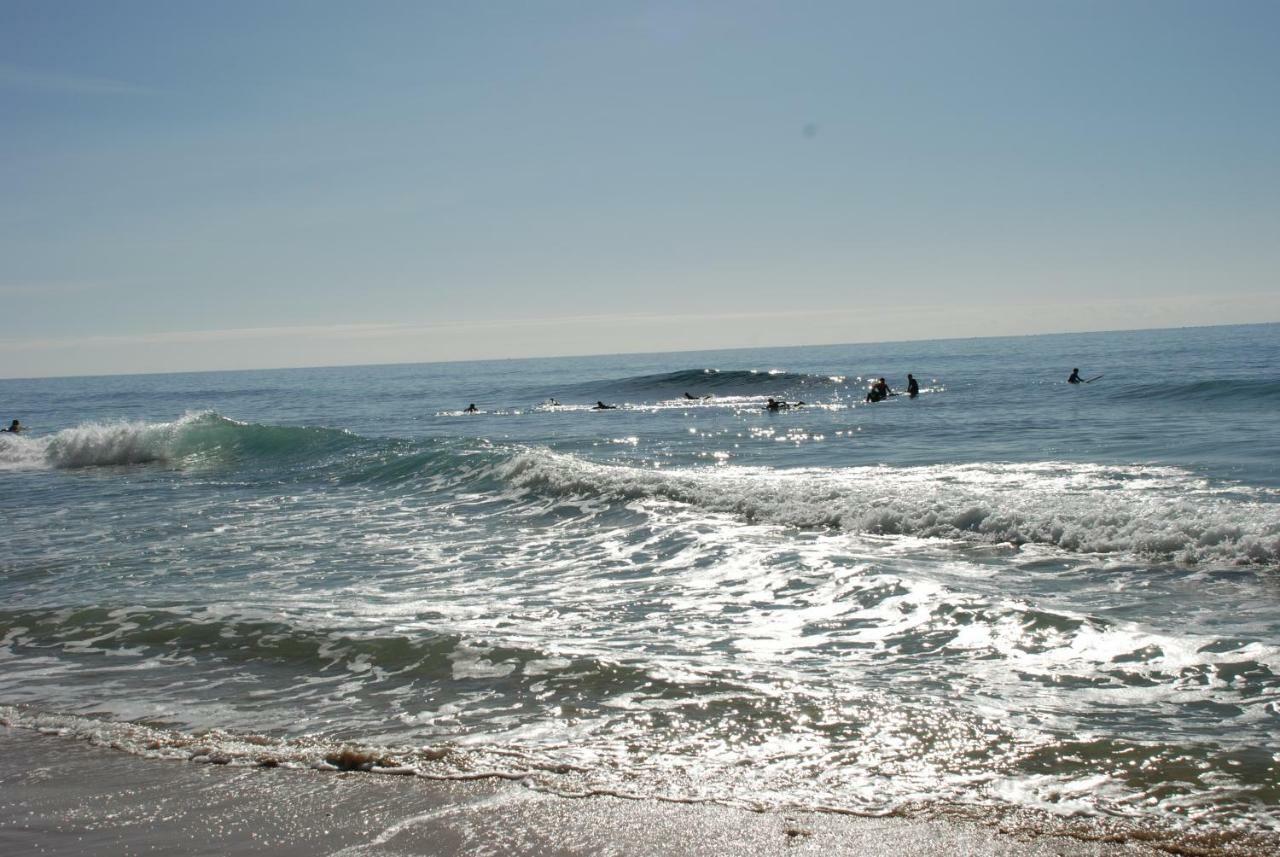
x=193, y=437
x=1160, y=512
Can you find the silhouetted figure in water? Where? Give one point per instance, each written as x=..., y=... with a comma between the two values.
x=774, y=405
x=471, y=409
x=551, y=403
x=691, y=397
x=1075, y=377
x=879, y=390
x=15, y=427
x=601, y=406
x=913, y=388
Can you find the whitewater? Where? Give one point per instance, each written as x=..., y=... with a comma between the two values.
x=1009, y=598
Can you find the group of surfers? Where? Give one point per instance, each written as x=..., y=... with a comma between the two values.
x=879, y=390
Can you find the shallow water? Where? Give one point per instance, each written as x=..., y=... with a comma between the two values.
x=1009, y=592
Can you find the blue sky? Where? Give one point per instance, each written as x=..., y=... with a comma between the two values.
x=235, y=185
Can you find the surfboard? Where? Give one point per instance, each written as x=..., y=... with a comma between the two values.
x=1094, y=378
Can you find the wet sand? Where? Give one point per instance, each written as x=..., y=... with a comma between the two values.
x=65, y=797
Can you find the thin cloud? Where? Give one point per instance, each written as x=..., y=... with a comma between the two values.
x=32, y=80
x=369, y=330
x=17, y=290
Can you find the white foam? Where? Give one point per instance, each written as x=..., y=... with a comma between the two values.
x=1151, y=511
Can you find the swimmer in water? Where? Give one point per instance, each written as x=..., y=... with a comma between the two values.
x=15, y=427
x=471, y=409
x=913, y=388
x=601, y=406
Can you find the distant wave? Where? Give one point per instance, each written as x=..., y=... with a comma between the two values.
x=1256, y=389
x=1157, y=512
x=699, y=382
x=194, y=437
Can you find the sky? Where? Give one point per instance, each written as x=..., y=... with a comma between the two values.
x=191, y=185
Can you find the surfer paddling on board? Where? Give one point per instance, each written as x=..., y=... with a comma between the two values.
x=691, y=397
x=601, y=406
x=15, y=427
x=879, y=390
x=1076, y=379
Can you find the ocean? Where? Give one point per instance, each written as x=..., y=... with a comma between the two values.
x=1009, y=598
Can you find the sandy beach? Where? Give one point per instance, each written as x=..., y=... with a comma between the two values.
x=62, y=797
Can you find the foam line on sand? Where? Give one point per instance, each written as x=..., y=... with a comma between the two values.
x=61, y=797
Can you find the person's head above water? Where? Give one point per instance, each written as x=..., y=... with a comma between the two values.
x=15, y=426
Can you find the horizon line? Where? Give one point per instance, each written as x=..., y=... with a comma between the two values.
x=625, y=353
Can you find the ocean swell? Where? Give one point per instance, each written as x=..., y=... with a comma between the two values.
x=700, y=382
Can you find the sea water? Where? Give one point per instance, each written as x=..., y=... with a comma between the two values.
x=1006, y=595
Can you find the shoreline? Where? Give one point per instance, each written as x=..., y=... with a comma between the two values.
x=61, y=796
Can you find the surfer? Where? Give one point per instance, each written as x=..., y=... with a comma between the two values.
x=1075, y=377
x=879, y=390
x=601, y=406
x=471, y=409
x=913, y=388
x=774, y=405
x=15, y=427
x=552, y=403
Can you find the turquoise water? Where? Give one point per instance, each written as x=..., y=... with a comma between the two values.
x=1007, y=594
